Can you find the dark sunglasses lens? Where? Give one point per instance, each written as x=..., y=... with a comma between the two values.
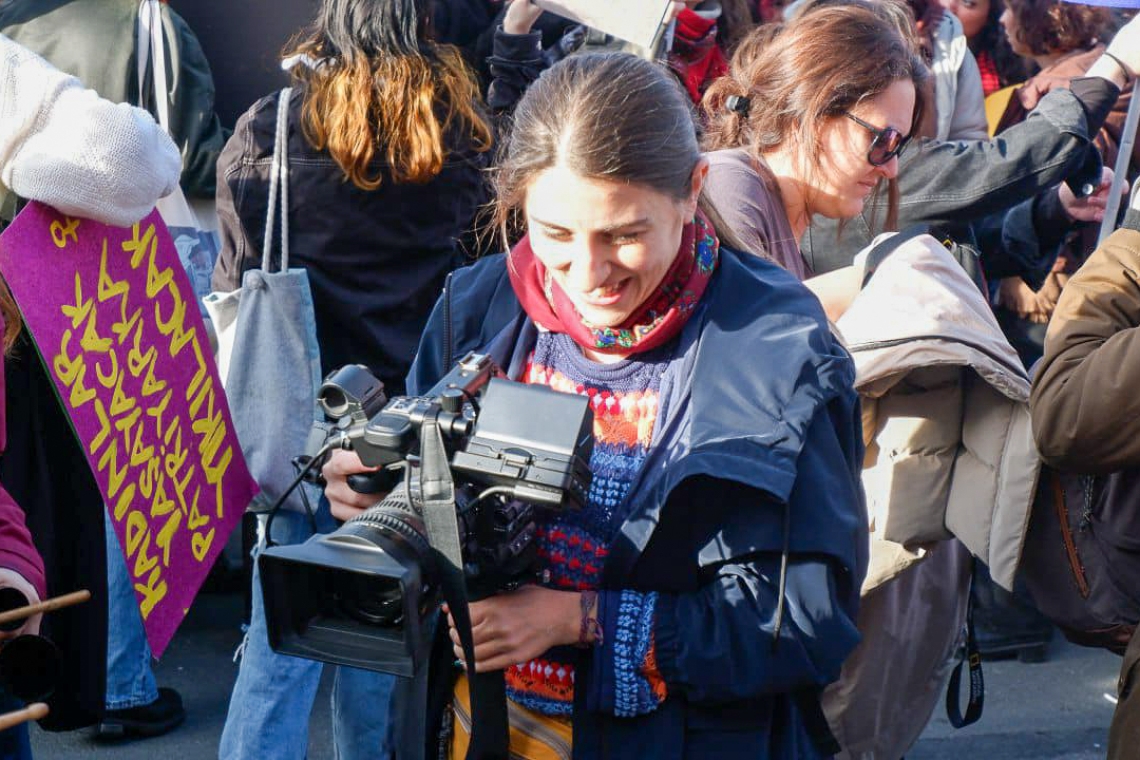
x=885, y=146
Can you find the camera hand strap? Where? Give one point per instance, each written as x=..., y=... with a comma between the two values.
x=489, y=728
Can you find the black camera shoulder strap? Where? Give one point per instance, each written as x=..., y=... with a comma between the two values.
x=973, y=660
x=489, y=728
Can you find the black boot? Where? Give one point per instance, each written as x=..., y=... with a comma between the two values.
x=155, y=719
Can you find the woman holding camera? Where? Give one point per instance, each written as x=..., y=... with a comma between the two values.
x=387, y=145
x=698, y=603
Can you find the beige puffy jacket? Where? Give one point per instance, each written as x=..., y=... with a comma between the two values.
x=949, y=454
x=949, y=444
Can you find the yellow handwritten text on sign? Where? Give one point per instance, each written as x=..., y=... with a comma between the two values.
x=164, y=462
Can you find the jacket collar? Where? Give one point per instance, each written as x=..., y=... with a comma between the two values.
x=753, y=369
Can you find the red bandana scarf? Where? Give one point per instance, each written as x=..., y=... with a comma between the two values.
x=652, y=324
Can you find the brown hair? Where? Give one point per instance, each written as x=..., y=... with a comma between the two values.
x=818, y=66
x=609, y=116
x=375, y=81
x=11, y=316
x=899, y=13
x=1051, y=27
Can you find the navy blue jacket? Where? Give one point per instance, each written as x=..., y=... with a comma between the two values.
x=758, y=448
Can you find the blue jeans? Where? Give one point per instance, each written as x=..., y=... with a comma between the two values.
x=130, y=680
x=268, y=717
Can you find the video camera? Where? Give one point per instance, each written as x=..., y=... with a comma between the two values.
x=363, y=595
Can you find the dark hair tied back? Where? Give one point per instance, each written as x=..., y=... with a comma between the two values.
x=607, y=116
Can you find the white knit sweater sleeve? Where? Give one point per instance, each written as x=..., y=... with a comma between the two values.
x=65, y=146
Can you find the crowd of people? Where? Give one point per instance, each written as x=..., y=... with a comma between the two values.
x=704, y=240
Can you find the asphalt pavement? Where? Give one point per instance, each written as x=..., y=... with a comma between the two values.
x=199, y=664
x=1055, y=710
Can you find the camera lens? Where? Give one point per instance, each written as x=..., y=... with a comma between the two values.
x=371, y=600
x=334, y=401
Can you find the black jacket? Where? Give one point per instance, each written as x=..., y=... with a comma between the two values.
x=376, y=259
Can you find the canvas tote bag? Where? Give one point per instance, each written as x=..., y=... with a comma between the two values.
x=268, y=356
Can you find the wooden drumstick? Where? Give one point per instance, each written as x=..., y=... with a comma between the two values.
x=48, y=605
x=34, y=711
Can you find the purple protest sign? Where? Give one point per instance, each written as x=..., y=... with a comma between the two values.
x=115, y=321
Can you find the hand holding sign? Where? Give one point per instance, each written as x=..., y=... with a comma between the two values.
x=520, y=17
x=641, y=22
x=14, y=586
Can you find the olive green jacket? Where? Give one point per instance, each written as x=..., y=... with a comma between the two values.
x=1086, y=395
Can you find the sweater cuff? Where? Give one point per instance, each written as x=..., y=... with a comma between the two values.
x=517, y=47
x=625, y=679
x=17, y=550
x=1050, y=219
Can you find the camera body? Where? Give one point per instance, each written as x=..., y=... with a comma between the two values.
x=364, y=595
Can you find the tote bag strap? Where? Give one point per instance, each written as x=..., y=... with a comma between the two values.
x=279, y=186
x=151, y=55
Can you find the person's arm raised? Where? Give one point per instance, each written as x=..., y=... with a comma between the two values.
x=63, y=145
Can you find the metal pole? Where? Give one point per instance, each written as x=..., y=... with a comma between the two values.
x=1127, y=138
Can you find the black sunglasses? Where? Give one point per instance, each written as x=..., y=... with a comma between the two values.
x=887, y=144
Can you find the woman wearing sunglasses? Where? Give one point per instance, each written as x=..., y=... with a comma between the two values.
x=811, y=123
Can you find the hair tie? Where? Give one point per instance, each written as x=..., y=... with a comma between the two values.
x=1128, y=75
x=739, y=104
